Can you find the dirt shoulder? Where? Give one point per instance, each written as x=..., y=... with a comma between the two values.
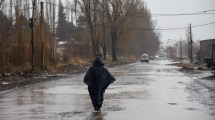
x=10, y=81
x=193, y=69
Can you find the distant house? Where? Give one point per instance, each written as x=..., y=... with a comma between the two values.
x=61, y=47
x=206, y=49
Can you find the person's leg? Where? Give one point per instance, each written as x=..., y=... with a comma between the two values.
x=92, y=96
x=100, y=99
x=97, y=104
x=94, y=99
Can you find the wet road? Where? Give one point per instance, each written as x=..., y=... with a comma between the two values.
x=143, y=91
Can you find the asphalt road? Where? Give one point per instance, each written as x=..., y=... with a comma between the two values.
x=142, y=91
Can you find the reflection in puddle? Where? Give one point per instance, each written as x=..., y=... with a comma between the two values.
x=96, y=116
x=68, y=115
x=141, y=92
x=84, y=115
x=172, y=103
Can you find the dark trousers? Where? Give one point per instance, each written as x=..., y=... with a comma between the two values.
x=96, y=97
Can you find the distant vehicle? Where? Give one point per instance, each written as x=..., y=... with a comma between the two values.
x=145, y=58
x=162, y=56
x=151, y=57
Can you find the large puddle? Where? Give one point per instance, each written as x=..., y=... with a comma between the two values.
x=144, y=91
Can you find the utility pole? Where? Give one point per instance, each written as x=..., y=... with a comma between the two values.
x=191, y=46
x=32, y=36
x=181, y=49
x=53, y=27
x=41, y=35
x=176, y=48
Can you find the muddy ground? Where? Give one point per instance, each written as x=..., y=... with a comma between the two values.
x=21, y=79
x=10, y=81
x=142, y=91
x=195, y=69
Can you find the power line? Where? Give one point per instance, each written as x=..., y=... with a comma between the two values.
x=176, y=28
x=205, y=12
x=157, y=15
x=165, y=14
x=135, y=14
x=203, y=24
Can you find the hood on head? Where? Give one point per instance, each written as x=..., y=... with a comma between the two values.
x=98, y=61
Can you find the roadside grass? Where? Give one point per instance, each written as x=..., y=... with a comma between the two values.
x=182, y=65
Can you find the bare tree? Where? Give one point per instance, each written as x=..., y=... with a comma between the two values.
x=89, y=7
x=53, y=30
x=75, y=10
x=51, y=21
x=103, y=42
x=32, y=20
x=1, y=2
x=117, y=13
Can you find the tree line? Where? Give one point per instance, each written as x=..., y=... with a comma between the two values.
x=73, y=31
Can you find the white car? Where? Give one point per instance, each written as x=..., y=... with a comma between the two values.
x=145, y=58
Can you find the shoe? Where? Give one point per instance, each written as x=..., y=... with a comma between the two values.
x=97, y=109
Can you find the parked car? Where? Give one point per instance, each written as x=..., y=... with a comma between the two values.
x=151, y=57
x=162, y=56
x=145, y=58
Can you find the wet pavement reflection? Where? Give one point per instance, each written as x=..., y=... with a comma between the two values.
x=142, y=91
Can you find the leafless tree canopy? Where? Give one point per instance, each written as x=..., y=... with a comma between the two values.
x=73, y=32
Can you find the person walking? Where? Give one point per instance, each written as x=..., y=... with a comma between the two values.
x=98, y=78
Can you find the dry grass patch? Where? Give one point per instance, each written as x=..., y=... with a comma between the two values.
x=183, y=65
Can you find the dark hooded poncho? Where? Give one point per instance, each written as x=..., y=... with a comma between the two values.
x=98, y=77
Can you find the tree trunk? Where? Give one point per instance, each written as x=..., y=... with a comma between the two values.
x=93, y=41
x=104, y=42
x=32, y=37
x=104, y=50
x=114, y=40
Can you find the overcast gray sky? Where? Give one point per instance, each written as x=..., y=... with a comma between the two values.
x=183, y=6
